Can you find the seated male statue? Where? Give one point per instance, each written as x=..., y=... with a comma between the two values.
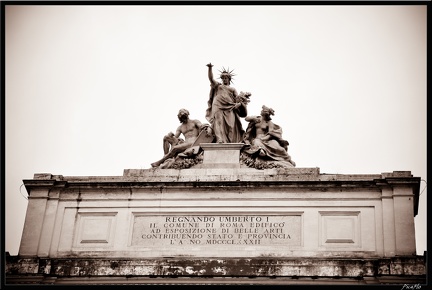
x=190, y=130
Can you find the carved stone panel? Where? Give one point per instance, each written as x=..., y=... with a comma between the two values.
x=221, y=231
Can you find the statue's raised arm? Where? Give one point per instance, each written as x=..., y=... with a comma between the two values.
x=210, y=74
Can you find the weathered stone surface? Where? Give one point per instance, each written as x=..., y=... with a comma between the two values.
x=309, y=267
x=217, y=174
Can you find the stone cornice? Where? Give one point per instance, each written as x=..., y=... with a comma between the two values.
x=301, y=178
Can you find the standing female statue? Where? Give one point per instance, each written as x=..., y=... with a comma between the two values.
x=225, y=108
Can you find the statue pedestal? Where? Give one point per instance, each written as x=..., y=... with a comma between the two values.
x=218, y=155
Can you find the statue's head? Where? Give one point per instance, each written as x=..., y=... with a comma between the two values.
x=267, y=112
x=183, y=115
x=226, y=76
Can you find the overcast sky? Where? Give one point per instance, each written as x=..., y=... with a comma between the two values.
x=91, y=90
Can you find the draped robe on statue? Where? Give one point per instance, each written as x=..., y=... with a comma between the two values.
x=276, y=148
x=223, y=116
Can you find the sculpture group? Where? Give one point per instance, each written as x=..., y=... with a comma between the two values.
x=263, y=147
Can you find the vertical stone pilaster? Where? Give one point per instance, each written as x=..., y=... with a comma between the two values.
x=35, y=214
x=403, y=198
x=389, y=235
x=48, y=225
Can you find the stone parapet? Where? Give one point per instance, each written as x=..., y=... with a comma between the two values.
x=222, y=174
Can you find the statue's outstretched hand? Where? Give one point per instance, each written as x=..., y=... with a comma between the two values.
x=209, y=64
